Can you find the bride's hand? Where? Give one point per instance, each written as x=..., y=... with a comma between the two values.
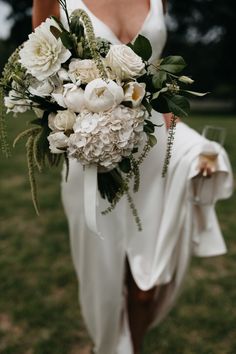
x=206, y=166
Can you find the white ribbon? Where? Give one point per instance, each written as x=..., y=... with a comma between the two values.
x=90, y=197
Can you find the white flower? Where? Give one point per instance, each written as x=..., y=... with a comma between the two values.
x=40, y=88
x=63, y=120
x=74, y=98
x=104, y=138
x=134, y=93
x=63, y=75
x=124, y=62
x=15, y=103
x=57, y=142
x=101, y=96
x=43, y=54
x=186, y=79
x=83, y=70
x=70, y=97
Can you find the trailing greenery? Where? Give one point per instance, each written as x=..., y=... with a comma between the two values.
x=170, y=141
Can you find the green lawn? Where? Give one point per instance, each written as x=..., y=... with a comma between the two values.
x=39, y=313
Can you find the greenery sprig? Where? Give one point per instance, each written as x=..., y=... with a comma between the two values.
x=170, y=142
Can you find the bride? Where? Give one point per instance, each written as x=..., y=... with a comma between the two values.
x=129, y=280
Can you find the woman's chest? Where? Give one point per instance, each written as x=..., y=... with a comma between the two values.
x=124, y=18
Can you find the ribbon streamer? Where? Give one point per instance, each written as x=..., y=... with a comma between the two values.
x=90, y=198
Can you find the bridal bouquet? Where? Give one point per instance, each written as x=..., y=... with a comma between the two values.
x=92, y=102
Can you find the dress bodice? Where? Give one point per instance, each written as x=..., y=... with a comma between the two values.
x=152, y=28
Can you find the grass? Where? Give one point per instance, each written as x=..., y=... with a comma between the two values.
x=39, y=313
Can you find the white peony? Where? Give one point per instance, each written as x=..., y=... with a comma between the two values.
x=102, y=95
x=58, y=142
x=104, y=138
x=124, y=62
x=63, y=120
x=83, y=70
x=70, y=97
x=134, y=93
x=43, y=54
x=74, y=98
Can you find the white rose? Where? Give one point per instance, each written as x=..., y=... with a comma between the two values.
x=43, y=54
x=134, y=93
x=74, y=98
x=63, y=120
x=102, y=95
x=58, y=142
x=124, y=62
x=83, y=70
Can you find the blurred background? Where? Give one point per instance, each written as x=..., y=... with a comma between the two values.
x=38, y=288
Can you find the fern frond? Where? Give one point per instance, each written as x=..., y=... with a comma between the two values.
x=31, y=171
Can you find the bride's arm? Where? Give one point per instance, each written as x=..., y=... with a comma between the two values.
x=43, y=9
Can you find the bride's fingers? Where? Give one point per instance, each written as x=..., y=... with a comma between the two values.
x=205, y=170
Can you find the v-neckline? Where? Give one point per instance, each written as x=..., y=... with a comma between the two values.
x=111, y=31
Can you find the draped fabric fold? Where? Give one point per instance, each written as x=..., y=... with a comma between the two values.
x=90, y=198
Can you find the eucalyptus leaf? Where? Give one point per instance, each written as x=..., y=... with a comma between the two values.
x=178, y=105
x=142, y=47
x=173, y=64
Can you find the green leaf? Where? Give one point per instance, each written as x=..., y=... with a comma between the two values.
x=142, y=47
x=55, y=31
x=158, y=79
x=178, y=105
x=157, y=94
x=59, y=23
x=199, y=94
x=148, y=106
x=149, y=129
x=37, y=121
x=173, y=64
x=152, y=140
x=160, y=105
x=67, y=41
x=125, y=165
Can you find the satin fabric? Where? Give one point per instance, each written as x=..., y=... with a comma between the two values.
x=173, y=228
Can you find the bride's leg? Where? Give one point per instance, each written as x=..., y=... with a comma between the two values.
x=143, y=306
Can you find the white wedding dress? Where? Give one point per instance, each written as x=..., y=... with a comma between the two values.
x=173, y=228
